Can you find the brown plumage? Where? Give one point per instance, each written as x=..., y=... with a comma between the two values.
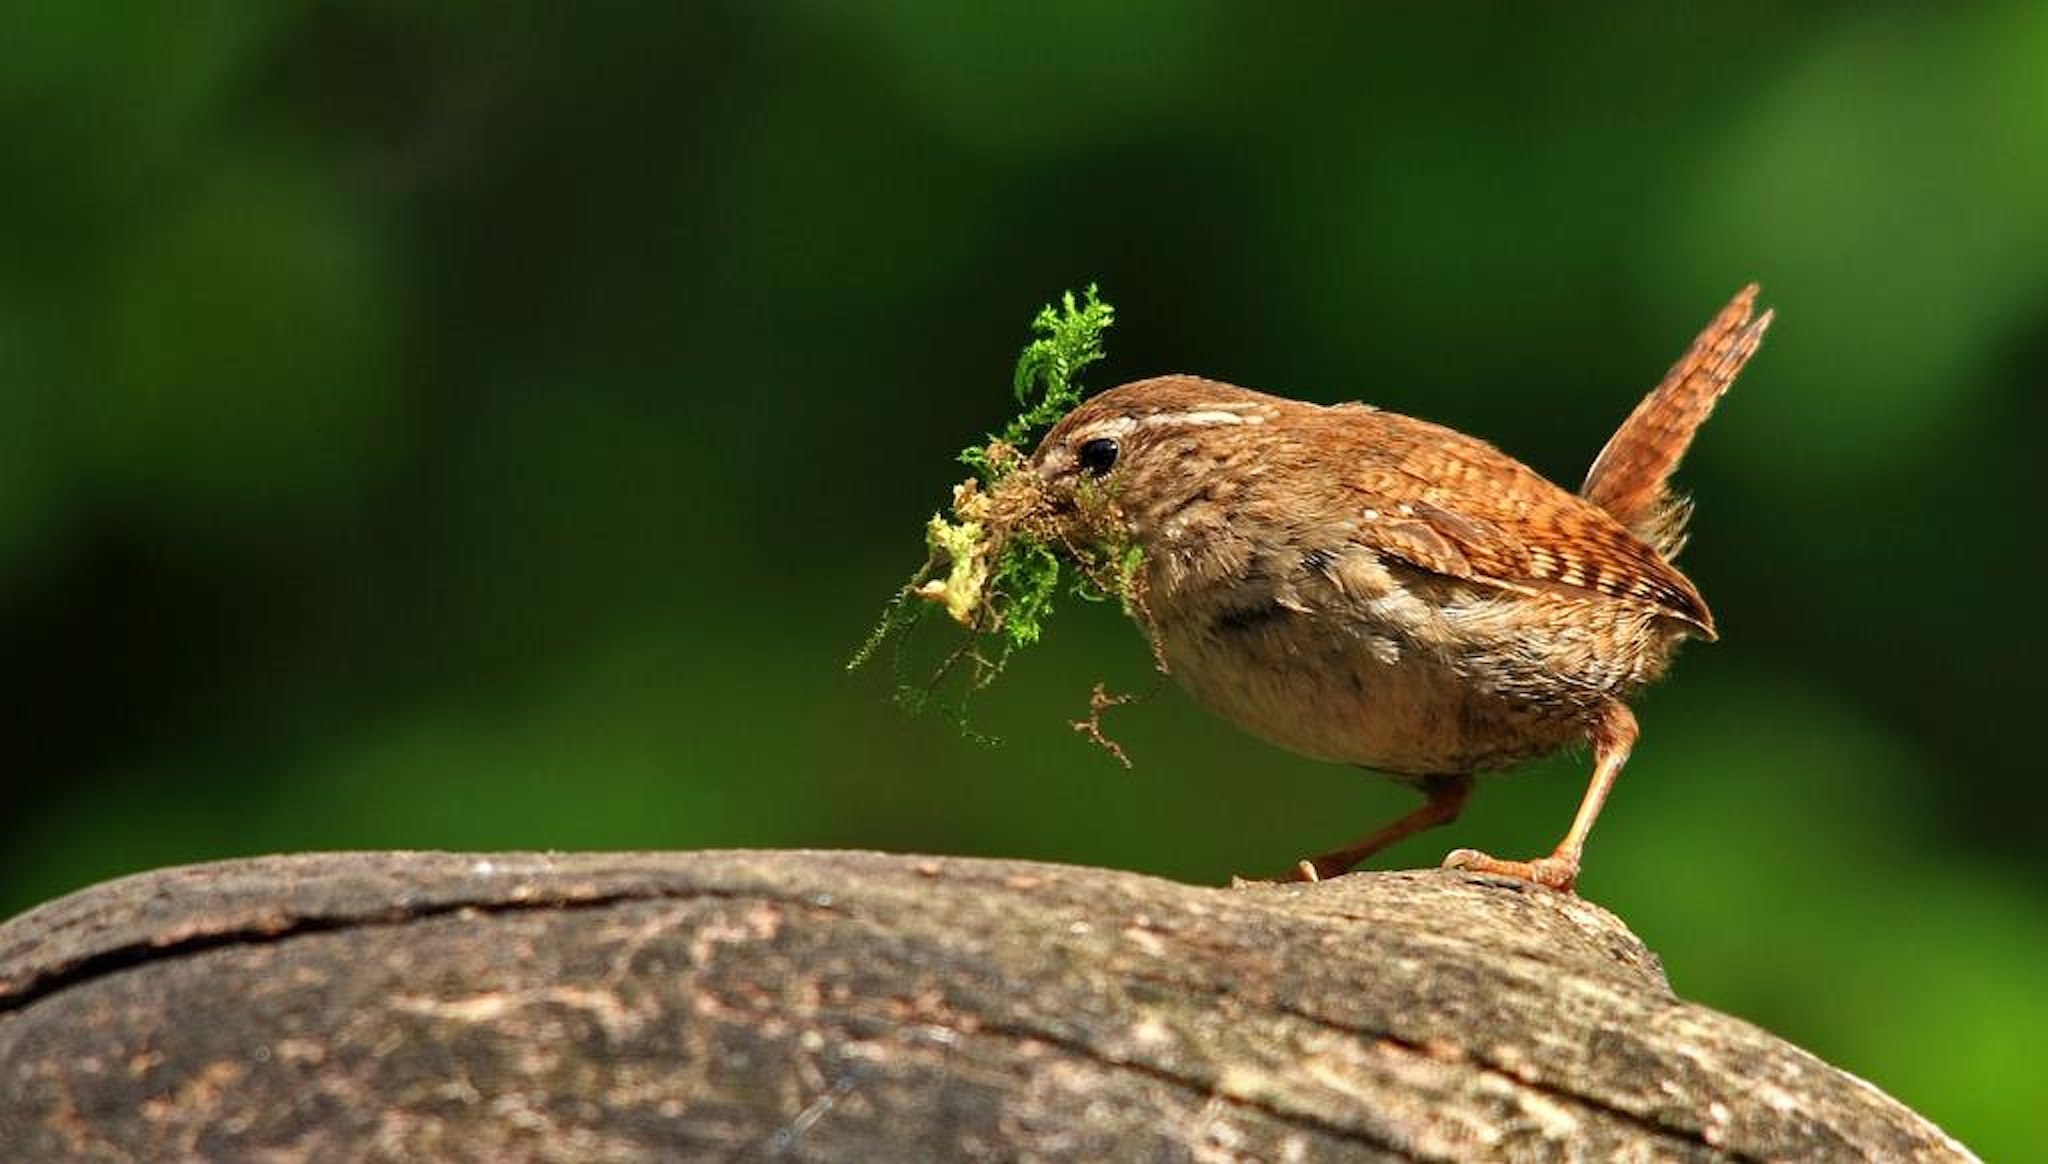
x=1364, y=587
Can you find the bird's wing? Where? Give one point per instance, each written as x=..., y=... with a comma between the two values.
x=1584, y=558
x=1478, y=515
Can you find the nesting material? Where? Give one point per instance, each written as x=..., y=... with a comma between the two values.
x=996, y=560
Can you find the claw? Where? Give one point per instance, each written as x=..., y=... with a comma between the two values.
x=1304, y=872
x=1552, y=872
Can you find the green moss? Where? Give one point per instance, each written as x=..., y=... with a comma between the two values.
x=994, y=567
x=1113, y=574
x=1068, y=339
x=1027, y=577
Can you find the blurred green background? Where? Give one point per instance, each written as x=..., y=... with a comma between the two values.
x=492, y=426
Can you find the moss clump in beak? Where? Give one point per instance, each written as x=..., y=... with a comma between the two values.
x=995, y=564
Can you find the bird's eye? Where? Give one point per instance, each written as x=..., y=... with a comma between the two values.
x=1098, y=456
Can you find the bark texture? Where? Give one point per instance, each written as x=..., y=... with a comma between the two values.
x=854, y=1006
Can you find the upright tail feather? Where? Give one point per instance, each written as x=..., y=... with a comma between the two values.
x=1631, y=478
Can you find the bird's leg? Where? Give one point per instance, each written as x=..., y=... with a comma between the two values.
x=1612, y=735
x=1446, y=800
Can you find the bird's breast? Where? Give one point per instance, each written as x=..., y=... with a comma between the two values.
x=1352, y=694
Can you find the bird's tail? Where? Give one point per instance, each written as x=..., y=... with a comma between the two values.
x=1631, y=478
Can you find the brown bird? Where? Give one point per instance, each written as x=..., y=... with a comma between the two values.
x=1366, y=588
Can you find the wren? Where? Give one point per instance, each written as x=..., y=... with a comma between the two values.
x=1366, y=588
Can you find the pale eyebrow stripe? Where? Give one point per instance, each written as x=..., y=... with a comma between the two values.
x=1200, y=417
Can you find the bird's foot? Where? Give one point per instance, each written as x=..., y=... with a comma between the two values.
x=1304, y=871
x=1552, y=872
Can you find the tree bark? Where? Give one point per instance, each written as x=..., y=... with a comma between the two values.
x=855, y=1006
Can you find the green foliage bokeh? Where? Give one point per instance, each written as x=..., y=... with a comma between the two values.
x=491, y=426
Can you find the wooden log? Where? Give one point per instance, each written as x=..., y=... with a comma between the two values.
x=855, y=1006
